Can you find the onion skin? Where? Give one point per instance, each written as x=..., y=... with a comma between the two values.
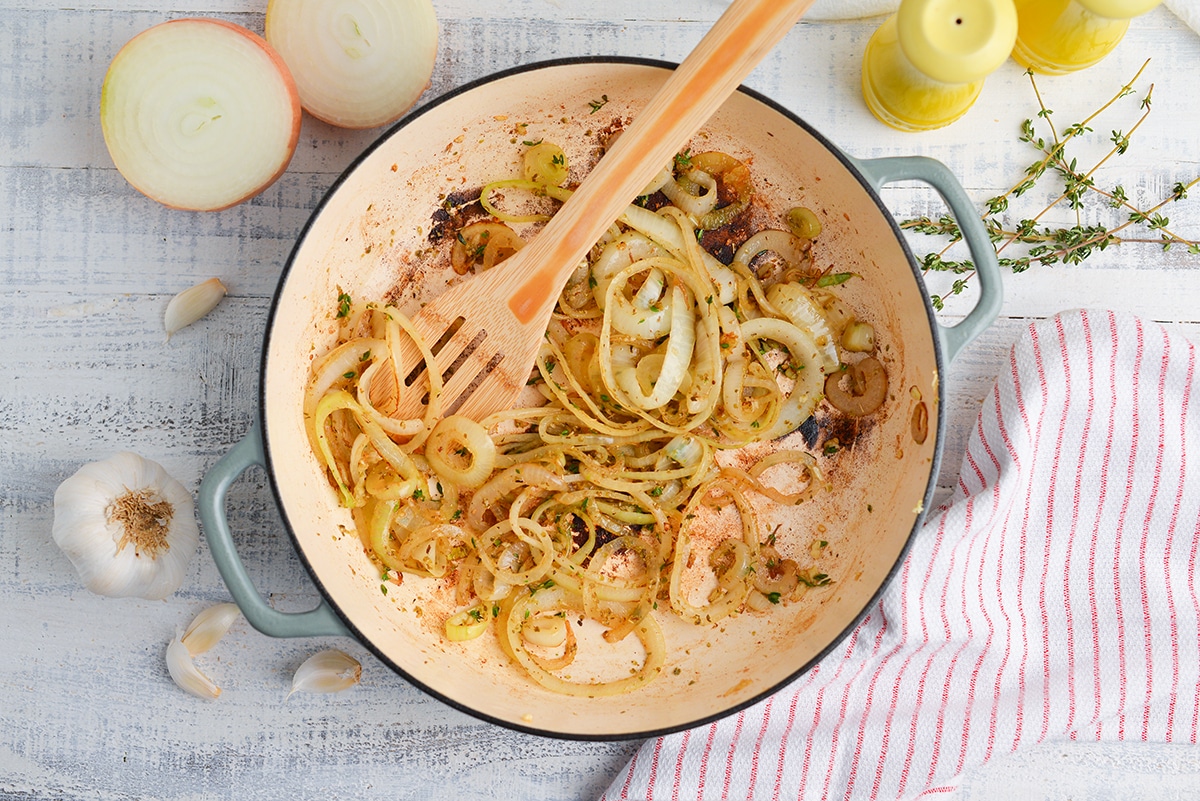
x=124, y=149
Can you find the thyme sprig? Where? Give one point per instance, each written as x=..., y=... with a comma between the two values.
x=1046, y=244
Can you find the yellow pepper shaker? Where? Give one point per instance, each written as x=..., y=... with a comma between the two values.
x=925, y=66
x=1061, y=36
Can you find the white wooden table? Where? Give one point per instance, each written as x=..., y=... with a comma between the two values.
x=87, y=265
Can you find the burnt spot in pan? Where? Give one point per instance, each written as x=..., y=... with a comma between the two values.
x=831, y=432
x=723, y=242
x=653, y=201
x=458, y=210
x=811, y=432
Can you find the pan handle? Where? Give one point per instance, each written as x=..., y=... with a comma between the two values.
x=321, y=621
x=987, y=269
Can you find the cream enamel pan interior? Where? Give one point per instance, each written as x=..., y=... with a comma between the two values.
x=374, y=225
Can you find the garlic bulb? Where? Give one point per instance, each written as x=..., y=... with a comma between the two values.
x=127, y=526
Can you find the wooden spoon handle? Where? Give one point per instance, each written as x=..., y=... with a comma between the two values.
x=727, y=54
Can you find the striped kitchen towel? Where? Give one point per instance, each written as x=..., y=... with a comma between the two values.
x=1055, y=596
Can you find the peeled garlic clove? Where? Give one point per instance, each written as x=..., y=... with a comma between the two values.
x=186, y=674
x=328, y=671
x=191, y=304
x=208, y=627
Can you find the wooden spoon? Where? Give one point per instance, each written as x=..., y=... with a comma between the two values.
x=498, y=318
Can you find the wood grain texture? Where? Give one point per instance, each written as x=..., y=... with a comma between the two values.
x=87, y=266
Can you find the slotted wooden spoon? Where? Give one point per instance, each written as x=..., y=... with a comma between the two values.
x=498, y=318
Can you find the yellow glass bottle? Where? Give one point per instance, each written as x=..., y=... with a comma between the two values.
x=926, y=64
x=1061, y=36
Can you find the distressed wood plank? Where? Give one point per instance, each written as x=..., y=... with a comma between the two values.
x=87, y=266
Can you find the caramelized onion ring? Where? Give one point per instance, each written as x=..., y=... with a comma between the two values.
x=858, y=390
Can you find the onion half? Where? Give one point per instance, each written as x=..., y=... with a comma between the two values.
x=357, y=63
x=199, y=114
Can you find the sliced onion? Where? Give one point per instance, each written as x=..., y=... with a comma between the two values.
x=695, y=205
x=774, y=574
x=837, y=313
x=646, y=369
x=383, y=482
x=704, y=389
x=795, y=303
x=483, y=243
x=627, y=318
x=329, y=403
x=551, y=601
x=655, y=226
x=334, y=365
x=545, y=163
x=568, y=644
x=506, y=482
x=787, y=246
x=483, y=581
x=627, y=249
x=468, y=624
x=750, y=397
x=735, y=178
x=432, y=549
x=650, y=293
x=199, y=114
x=858, y=390
x=806, y=394
x=686, y=450
x=656, y=183
x=666, y=233
x=580, y=354
x=522, y=561
x=728, y=560
x=859, y=337
x=460, y=451
x=545, y=632
x=675, y=360
x=357, y=64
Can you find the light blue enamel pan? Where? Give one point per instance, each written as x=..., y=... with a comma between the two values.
x=940, y=344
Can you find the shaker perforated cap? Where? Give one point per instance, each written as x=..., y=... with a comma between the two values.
x=957, y=41
x=1119, y=9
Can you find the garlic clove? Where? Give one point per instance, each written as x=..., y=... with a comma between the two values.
x=191, y=304
x=328, y=671
x=208, y=627
x=185, y=673
x=127, y=527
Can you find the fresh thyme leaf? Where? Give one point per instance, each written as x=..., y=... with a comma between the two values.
x=1048, y=244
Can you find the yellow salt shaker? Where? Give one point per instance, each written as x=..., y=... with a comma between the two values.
x=925, y=66
x=1061, y=36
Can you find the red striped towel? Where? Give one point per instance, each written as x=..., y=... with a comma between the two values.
x=1055, y=597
